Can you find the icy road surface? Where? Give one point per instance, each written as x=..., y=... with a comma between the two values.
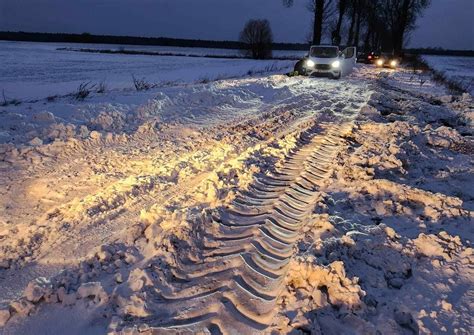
x=252, y=205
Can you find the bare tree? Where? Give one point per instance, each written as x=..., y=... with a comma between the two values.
x=401, y=16
x=360, y=14
x=387, y=23
x=258, y=38
x=322, y=10
x=378, y=24
x=373, y=25
x=377, y=33
x=336, y=33
x=355, y=10
x=317, y=7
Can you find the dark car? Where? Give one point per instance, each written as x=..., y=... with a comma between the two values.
x=368, y=57
x=388, y=60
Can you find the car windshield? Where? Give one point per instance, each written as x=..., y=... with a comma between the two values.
x=324, y=52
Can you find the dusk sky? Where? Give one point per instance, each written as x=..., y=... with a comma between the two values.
x=447, y=23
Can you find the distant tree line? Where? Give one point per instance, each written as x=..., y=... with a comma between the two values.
x=368, y=24
x=161, y=41
x=439, y=52
x=134, y=40
x=107, y=39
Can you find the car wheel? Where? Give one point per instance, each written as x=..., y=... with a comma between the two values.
x=299, y=66
x=338, y=76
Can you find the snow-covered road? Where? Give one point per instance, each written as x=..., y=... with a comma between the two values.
x=274, y=203
x=96, y=160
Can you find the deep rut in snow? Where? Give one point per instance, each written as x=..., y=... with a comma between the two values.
x=232, y=285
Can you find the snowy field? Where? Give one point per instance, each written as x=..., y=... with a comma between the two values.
x=458, y=69
x=178, y=50
x=38, y=70
x=250, y=205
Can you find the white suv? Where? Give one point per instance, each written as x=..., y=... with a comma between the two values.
x=327, y=60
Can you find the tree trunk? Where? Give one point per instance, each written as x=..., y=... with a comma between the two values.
x=337, y=32
x=367, y=38
x=318, y=21
x=350, y=35
x=357, y=31
x=399, y=34
x=376, y=40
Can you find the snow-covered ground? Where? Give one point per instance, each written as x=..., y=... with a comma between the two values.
x=262, y=204
x=177, y=50
x=38, y=70
x=458, y=69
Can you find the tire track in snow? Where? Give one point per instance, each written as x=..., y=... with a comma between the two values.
x=232, y=287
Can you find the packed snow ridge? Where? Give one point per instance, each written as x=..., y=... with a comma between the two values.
x=256, y=205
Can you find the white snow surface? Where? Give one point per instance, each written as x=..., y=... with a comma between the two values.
x=101, y=195
x=38, y=70
x=292, y=54
x=457, y=69
x=207, y=104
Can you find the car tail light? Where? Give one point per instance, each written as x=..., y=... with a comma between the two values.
x=370, y=57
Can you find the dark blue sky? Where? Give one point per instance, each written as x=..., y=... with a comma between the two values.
x=447, y=23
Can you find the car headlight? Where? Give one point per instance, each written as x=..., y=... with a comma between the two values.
x=310, y=63
x=336, y=64
x=380, y=62
x=393, y=63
